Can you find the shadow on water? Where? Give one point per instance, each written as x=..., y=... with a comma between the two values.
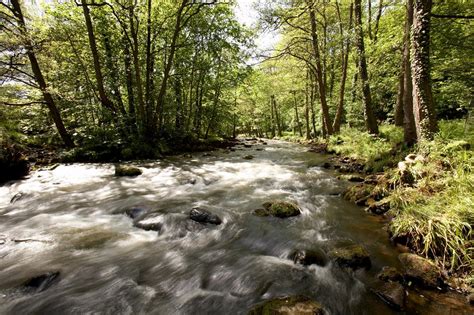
x=74, y=215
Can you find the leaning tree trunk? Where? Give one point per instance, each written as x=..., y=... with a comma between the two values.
x=48, y=98
x=408, y=114
x=370, y=121
x=423, y=106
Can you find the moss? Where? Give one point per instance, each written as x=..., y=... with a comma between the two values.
x=282, y=209
x=126, y=170
x=288, y=305
x=352, y=256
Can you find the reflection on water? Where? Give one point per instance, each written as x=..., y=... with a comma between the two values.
x=71, y=220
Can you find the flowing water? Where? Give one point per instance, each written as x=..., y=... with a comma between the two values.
x=71, y=220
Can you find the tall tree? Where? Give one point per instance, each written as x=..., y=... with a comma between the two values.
x=425, y=116
x=38, y=75
x=370, y=121
x=408, y=114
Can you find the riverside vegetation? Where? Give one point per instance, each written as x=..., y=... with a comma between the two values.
x=385, y=87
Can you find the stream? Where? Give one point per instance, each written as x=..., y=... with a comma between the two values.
x=71, y=219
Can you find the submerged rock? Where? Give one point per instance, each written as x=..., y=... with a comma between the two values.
x=390, y=274
x=421, y=271
x=309, y=257
x=248, y=157
x=127, y=170
x=280, y=209
x=136, y=212
x=204, y=216
x=41, y=282
x=17, y=197
x=351, y=256
x=393, y=294
x=292, y=305
x=260, y=212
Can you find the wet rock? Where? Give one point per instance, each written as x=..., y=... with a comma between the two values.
x=246, y=145
x=149, y=224
x=390, y=274
x=309, y=257
x=127, y=170
x=260, y=212
x=393, y=294
x=326, y=165
x=248, y=157
x=281, y=209
x=351, y=256
x=17, y=197
x=292, y=305
x=259, y=149
x=204, y=216
x=136, y=212
x=41, y=282
x=421, y=271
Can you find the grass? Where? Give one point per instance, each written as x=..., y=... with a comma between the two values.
x=435, y=214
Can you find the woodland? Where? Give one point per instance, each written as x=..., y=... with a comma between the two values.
x=385, y=88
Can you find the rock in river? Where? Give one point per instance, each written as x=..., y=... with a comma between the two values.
x=204, y=216
x=127, y=170
x=309, y=257
x=421, y=270
x=279, y=209
x=149, y=223
x=390, y=274
x=41, y=282
x=352, y=256
x=292, y=305
x=136, y=212
x=393, y=294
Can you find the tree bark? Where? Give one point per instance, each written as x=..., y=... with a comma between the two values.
x=425, y=117
x=48, y=98
x=104, y=100
x=409, y=126
x=319, y=75
x=345, y=61
x=370, y=121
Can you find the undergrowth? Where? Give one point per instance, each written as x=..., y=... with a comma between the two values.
x=434, y=213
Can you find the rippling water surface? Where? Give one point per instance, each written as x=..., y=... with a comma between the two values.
x=71, y=220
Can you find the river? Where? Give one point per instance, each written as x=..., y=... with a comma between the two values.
x=71, y=220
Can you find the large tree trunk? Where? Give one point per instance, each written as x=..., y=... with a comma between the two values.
x=319, y=74
x=48, y=98
x=277, y=115
x=408, y=114
x=370, y=121
x=425, y=117
x=104, y=100
x=345, y=61
x=306, y=106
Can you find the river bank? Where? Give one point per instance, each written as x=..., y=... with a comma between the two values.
x=424, y=194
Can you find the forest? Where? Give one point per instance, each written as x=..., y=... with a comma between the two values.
x=376, y=95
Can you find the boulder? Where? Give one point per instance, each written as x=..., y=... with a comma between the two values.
x=393, y=294
x=204, y=216
x=351, y=256
x=281, y=209
x=390, y=274
x=127, y=170
x=291, y=305
x=41, y=282
x=149, y=224
x=309, y=257
x=421, y=271
x=135, y=212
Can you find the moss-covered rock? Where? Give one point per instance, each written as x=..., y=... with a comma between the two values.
x=351, y=256
x=127, y=170
x=421, y=271
x=260, y=212
x=292, y=305
x=281, y=209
